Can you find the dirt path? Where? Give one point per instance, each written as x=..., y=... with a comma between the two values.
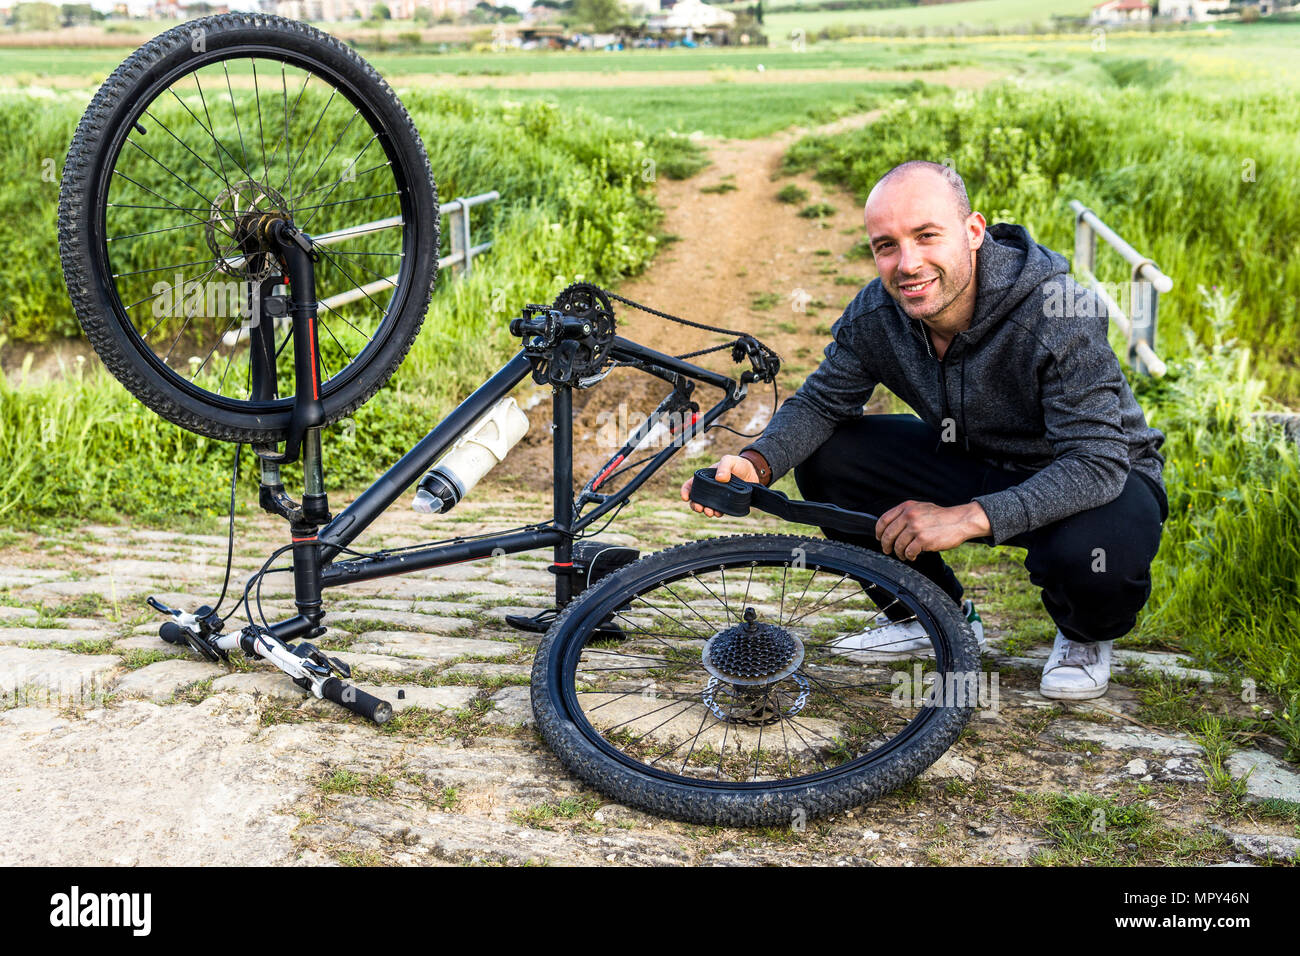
x=739, y=259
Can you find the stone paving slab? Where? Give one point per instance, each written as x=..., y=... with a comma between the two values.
x=161, y=680
x=1164, y=663
x=49, y=635
x=1270, y=778
x=17, y=577
x=512, y=706
x=271, y=684
x=1263, y=846
x=384, y=663
x=145, y=638
x=205, y=794
x=1123, y=738
x=56, y=592
x=1171, y=770
x=431, y=647
x=54, y=677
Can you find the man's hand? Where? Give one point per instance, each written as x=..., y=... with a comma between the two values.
x=727, y=466
x=909, y=528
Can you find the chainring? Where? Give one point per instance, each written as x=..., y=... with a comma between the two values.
x=589, y=356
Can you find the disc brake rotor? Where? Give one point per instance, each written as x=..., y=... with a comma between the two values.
x=233, y=226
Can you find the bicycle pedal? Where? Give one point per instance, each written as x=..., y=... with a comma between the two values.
x=534, y=624
x=609, y=630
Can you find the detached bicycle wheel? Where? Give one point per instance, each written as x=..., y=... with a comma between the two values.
x=746, y=687
x=183, y=154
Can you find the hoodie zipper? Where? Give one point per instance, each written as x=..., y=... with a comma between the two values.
x=943, y=382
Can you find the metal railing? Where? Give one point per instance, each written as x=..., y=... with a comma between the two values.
x=1146, y=284
x=463, y=249
x=454, y=215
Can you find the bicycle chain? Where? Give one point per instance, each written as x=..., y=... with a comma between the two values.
x=671, y=318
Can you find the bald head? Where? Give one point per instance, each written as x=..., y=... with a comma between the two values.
x=924, y=238
x=942, y=177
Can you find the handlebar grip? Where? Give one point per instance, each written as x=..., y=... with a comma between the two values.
x=172, y=633
x=356, y=700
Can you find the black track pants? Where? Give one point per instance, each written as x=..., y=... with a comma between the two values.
x=1094, y=567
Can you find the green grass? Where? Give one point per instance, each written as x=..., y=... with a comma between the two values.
x=575, y=205
x=1004, y=13
x=790, y=193
x=1089, y=830
x=817, y=210
x=721, y=108
x=1195, y=146
x=1226, y=577
x=543, y=815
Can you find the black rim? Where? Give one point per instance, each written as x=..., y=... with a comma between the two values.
x=646, y=693
x=305, y=97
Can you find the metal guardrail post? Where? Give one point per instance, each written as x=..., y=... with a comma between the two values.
x=459, y=229
x=1145, y=301
x=1145, y=285
x=463, y=249
x=462, y=253
x=1085, y=244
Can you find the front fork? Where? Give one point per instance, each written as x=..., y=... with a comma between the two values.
x=306, y=421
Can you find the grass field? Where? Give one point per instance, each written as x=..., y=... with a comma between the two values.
x=974, y=13
x=729, y=110
x=69, y=67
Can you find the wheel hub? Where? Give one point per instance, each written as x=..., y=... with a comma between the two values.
x=752, y=654
x=237, y=229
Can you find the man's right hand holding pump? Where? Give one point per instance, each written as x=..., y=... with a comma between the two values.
x=744, y=468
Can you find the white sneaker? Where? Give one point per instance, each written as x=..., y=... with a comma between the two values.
x=1076, y=671
x=894, y=640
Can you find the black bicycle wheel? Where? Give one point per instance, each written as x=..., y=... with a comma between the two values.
x=739, y=692
x=204, y=131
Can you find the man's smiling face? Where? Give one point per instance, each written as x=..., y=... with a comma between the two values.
x=924, y=246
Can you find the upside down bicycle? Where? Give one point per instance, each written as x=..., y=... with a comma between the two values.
x=720, y=681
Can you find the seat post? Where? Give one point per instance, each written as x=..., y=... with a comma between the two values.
x=562, y=443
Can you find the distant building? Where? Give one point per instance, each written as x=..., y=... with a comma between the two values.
x=1190, y=11
x=1121, y=11
x=690, y=15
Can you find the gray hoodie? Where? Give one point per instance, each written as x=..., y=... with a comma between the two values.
x=1032, y=386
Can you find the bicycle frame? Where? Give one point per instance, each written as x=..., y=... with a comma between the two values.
x=313, y=565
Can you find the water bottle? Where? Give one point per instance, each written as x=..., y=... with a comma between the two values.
x=479, y=448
